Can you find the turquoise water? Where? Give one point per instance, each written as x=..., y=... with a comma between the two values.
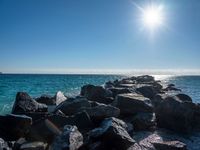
x=37, y=85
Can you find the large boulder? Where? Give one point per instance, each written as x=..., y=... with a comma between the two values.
x=46, y=99
x=130, y=104
x=174, y=114
x=13, y=127
x=69, y=139
x=96, y=93
x=183, y=97
x=101, y=111
x=52, y=125
x=24, y=103
x=112, y=132
x=72, y=105
x=147, y=90
x=170, y=145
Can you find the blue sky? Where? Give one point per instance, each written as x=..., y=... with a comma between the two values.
x=60, y=36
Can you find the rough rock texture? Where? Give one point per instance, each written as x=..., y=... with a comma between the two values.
x=184, y=97
x=175, y=115
x=130, y=104
x=46, y=99
x=118, y=90
x=147, y=90
x=96, y=93
x=113, y=133
x=170, y=145
x=13, y=127
x=72, y=105
x=70, y=139
x=24, y=103
x=4, y=145
x=33, y=146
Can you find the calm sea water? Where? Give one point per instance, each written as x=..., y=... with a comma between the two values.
x=37, y=85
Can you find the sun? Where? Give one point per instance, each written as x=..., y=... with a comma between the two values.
x=152, y=16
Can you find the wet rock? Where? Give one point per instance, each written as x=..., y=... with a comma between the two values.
x=72, y=105
x=69, y=139
x=33, y=146
x=174, y=114
x=170, y=145
x=13, y=127
x=113, y=133
x=24, y=103
x=96, y=93
x=101, y=111
x=130, y=104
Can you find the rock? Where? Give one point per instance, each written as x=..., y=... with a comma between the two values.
x=157, y=99
x=70, y=139
x=130, y=104
x=101, y=111
x=113, y=133
x=184, y=97
x=170, y=145
x=171, y=88
x=71, y=106
x=145, y=79
x=96, y=93
x=117, y=91
x=143, y=121
x=174, y=114
x=13, y=127
x=60, y=97
x=4, y=145
x=52, y=125
x=147, y=90
x=24, y=103
x=18, y=143
x=46, y=99
x=33, y=146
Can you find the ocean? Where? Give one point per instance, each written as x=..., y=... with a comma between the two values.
x=37, y=85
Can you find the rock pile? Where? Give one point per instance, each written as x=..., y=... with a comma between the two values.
x=102, y=118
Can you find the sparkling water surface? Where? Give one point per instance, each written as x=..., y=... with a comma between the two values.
x=70, y=85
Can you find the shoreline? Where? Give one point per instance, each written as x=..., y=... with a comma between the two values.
x=126, y=108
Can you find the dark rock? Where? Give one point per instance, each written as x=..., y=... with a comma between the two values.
x=18, y=143
x=70, y=139
x=101, y=111
x=145, y=79
x=184, y=97
x=113, y=133
x=96, y=93
x=170, y=145
x=46, y=99
x=130, y=104
x=143, y=121
x=24, y=103
x=13, y=127
x=71, y=106
x=174, y=114
x=157, y=99
x=4, y=145
x=147, y=90
x=52, y=125
x=117, y=91
x=37, y=115
x=33, y=146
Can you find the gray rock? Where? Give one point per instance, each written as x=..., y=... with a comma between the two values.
x=4, y=145
x=13, y=127
x=184, y=97
x=46, y=99
x=60, y=97
x=147, y=90
x=24, y=103
x=170, y=145
x=174, y=114
x=36, y=145
x=72, y=106
x=96, y=93
x=145, y=79
x=130, y=104
x=117, y=91
x=69, y=139
x=113, y=133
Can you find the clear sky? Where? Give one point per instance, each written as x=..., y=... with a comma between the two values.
x=59, y=36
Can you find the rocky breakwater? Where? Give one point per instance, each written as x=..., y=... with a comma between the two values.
x=134, y=113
